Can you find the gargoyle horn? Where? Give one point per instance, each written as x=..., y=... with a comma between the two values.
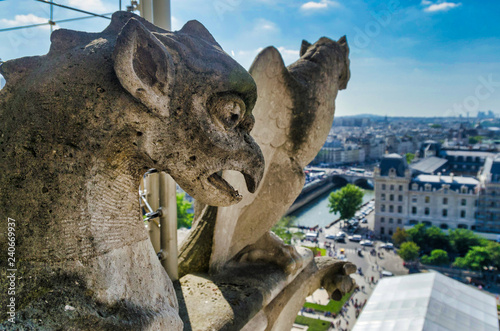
x=303, y=48
x=196, y=29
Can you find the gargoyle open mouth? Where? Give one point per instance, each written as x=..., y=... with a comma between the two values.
x=219, y=183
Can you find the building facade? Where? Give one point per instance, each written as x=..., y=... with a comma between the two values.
x=488, y=213
x=448, y=202
x=391, y=181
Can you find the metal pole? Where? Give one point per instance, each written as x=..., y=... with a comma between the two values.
x=51, y=17
x=146, y=9
x=161, y=14
x=168, y=225
x=152, y=187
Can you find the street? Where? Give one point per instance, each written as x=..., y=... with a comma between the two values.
x=371, y=266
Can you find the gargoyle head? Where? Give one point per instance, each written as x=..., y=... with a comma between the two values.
x=202, y=101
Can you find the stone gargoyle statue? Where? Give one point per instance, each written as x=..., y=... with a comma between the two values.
x=78, y=128
x=248, y=266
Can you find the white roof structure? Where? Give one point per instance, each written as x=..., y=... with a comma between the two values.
x=430, y=302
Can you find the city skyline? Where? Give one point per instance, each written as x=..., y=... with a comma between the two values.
x=418, y=58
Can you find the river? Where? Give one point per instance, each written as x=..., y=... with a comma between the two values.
x=316, y=211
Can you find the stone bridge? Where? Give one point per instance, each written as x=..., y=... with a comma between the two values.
x=330, y=181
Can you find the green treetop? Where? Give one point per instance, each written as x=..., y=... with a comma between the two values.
x=346, y=201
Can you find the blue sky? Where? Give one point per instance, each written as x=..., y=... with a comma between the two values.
x=408, y=58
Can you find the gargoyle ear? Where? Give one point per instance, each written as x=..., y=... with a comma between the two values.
x=144, y=66
x=303, y=48
x=343, y=44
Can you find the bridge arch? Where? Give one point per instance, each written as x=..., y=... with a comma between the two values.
x=339, y=180
x=364, y=183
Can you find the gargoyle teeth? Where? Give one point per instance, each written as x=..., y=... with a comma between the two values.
x=219, y=183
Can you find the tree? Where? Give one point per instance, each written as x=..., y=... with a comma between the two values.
x=476, y=259
x=282, y=229
x=400, y=236
x=429, y=238
x=462, y=240
x=436, y=239
x=409, y=251
x=417, y=235
x=493, y=249
x=346, y=201
x=438, y=257
x=409, y=157
x=184, y=218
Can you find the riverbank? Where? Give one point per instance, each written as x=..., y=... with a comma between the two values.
x=316, y=212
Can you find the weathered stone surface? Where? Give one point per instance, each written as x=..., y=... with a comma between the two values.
x=78, y=128
x=256, y=296
x=294, y=113
x=257, y=282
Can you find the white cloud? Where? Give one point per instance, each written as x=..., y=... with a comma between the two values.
x=21, y=20
x=175, y=24
x=322, y=4
x=289, y=55
x=93, y=6
x=265, y=26
x=443, y=6
x=426, y=2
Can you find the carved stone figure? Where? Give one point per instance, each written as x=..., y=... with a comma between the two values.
x=78, y=128
x=257, y=282
x=294, y=113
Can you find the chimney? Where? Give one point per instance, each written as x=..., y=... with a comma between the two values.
x=439, y=176
x=451, y=176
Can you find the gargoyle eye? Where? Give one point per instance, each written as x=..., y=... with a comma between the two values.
x=228, y=110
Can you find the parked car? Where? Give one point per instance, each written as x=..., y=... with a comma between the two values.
x=366, y=243
x=330, y=236
x=388, y=246
x=340, y=239
x=364, y=221
x=386, y=273
x=355, y=237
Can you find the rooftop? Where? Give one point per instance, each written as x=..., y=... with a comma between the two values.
x=429, y=165
x=427, y=301
x=393, y=161
x=438, y=179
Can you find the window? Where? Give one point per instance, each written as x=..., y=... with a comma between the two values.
x=382, y=230
x=391, y=220
x=426, y=211
x=390, y=232
x=400, y=198
x=382, y=196
x=464, y=202
x=413, y=222
x=399, y=221
x=414, y=198
x=392, y=187
x=427, y=199
x=464, y=190
x=400, y=187
x=427, y=187
x=413, y=210
x=391, y=209
x=382, y=220
x=445, y=201
x=462, y=213
x=414, y=187
x=382, y=208
x=445, y=212
x=400, y=209
x=383, y=186
x=444, y=226
x=391, y=197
